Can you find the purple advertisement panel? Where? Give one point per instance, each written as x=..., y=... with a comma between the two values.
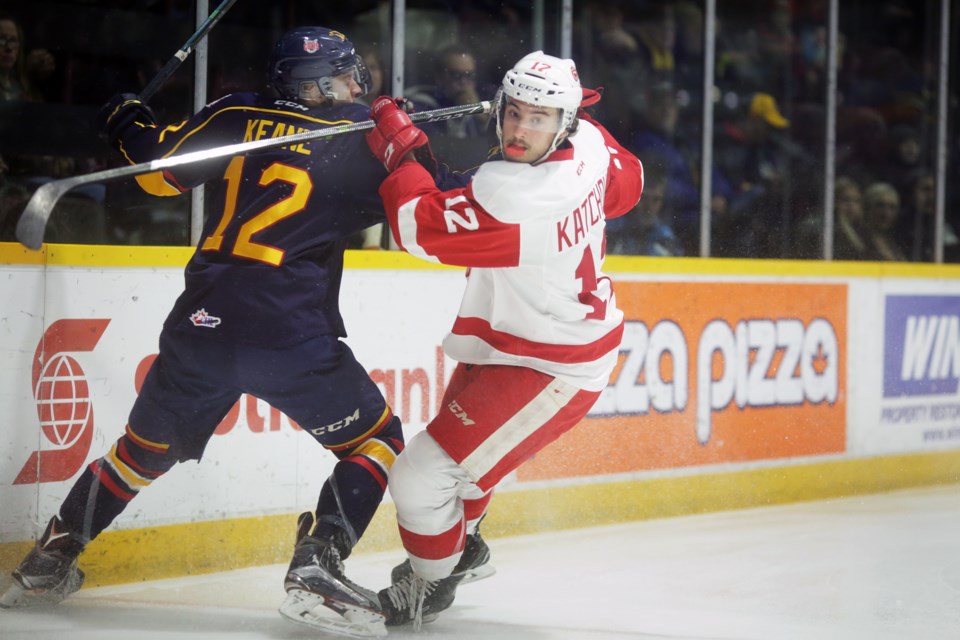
x=921, y=346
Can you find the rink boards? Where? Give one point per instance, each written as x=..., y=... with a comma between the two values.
x=740, y=383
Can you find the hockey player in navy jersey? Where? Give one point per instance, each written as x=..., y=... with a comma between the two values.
x=259, y=314
x=538, y=330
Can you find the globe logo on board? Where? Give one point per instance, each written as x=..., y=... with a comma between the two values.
x=64, y=405
x=63, y=401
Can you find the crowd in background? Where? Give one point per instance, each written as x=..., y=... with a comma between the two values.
x=60, y=61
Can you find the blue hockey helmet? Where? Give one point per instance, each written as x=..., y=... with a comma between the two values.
x=314, y=56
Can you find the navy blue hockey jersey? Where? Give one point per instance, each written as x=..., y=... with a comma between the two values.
x=267, y=269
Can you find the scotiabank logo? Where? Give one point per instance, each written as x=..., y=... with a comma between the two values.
x=62, y=395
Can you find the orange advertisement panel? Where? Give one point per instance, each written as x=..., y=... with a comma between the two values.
x=714, y=372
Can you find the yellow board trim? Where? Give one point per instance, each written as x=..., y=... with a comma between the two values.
x=140, y=256
x=205, y=547
x=795, y=268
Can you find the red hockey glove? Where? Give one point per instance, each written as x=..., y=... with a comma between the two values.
x=395, y=135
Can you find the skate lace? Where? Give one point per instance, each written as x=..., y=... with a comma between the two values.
x=409, y=594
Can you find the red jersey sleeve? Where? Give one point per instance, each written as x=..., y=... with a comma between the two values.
x=625, y=176
x=449, y=227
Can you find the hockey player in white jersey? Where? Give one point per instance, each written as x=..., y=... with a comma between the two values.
x=538, y=330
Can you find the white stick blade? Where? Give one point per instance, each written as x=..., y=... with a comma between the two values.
x=33, y=221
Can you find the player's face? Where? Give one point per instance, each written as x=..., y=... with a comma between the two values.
x=9, y=45
x=528, y=130
x=346, y=87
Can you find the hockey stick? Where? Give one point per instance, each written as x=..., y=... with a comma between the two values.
x=33, y=221
x=173, y=63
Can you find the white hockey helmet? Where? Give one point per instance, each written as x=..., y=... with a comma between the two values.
x=543, y=80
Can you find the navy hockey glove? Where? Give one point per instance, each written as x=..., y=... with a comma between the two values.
x=395, y=135
x=120, y=113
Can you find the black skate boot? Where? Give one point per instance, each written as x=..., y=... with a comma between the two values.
x=412, y=599
x=474, y=563
x=49, y=573
x=320, y=595
x=415, y=600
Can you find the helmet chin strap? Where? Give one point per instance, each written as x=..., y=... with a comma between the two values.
x=557, y=140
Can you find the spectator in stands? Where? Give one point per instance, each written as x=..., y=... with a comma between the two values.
x=16, y=85
x=455, y=83
x=657, y=36
x=613, y=62
x=905, y=157
x=861, y=143
x=688, y=52
x=13, y=87
x=643, y=232
x=881, y=212
x=27, y=159
x=18, y=72
x=849, y=233
x=461, y=143
x=889, y=83
x=634, y=45
x=755, y=164
x=736, y=64
x=916, y=228
x=666, y=149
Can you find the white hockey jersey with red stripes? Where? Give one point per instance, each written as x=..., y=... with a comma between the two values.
x=533, y=239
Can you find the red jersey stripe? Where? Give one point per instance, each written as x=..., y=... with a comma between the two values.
x=517, y=346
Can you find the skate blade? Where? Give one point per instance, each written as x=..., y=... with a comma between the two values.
x=309, y=609
x=16, y=597
x=478, y=573
x=13, y=597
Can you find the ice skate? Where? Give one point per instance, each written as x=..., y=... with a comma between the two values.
x=417, y=601
x=49, y=573
x=320, y=595
x=474, y=563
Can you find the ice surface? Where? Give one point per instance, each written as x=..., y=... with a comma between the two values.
x=870, y=567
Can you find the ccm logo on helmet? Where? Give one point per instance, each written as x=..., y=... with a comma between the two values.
x=527, y=87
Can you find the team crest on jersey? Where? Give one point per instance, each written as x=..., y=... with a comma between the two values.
x=311, y=45
x=203, y=319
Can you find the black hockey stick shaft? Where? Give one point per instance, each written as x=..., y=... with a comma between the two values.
x=33, y=221
x=174, y=63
